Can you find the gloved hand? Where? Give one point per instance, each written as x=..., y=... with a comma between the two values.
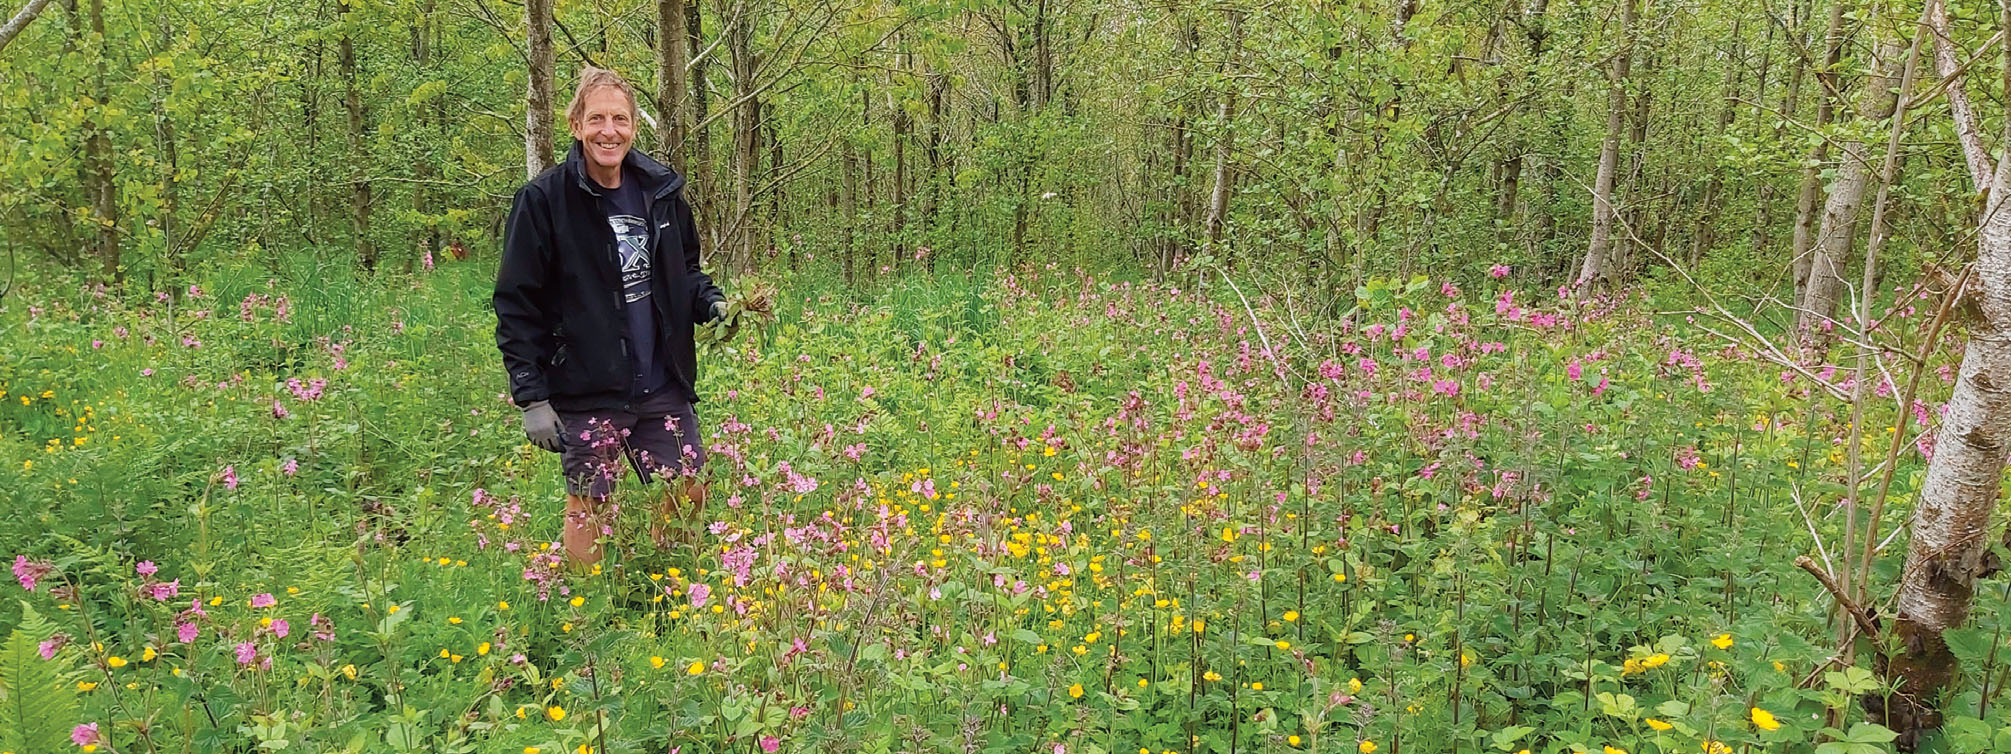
x=719, y=310
x=541, y=425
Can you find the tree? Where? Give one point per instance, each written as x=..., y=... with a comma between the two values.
x=1951, y=517
x=1598, y=253
x=20, y=21
x=1846, y=197
x=1225, y=177
x=352, y=104
x=673, y=97
x=538, y=137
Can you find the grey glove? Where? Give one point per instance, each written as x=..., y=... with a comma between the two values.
x=719, y=310
x=541, y=425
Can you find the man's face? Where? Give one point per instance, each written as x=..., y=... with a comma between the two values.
x=605, y=128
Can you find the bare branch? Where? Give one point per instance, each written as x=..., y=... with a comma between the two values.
x=20, y=21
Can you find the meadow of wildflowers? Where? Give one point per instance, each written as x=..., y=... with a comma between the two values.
x=1031, y=511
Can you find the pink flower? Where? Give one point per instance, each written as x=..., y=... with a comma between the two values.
x=48, y=647
x=162, y=591
x=30, y=571
x=291, y=467
x=770, y=743
x=1498, y=271
x=146, y=568
x=263, y=600
x=280, y=628
x=247, y=652
x=185, y=632
x=698, y=593
x=85, y=735
x=230, y=477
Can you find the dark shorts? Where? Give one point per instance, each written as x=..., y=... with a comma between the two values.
x=658, y=435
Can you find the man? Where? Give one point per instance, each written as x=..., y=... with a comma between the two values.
x=596, y=300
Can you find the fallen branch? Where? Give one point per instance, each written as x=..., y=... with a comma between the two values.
x=1857, y=612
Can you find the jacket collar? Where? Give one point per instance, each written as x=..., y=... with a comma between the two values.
x=658, y=180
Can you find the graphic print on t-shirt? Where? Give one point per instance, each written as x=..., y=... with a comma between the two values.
x=631, y=235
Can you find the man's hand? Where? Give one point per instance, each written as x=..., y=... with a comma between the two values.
x=719, y=310
x=541, y=425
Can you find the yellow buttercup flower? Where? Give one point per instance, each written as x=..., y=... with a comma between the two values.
x=116, y=661
x=1724, y=641
x=1764, y=720
x=1366, y=747
x=656, y=662
x=1657, y=724
x=1614, y=750
x=1075, y=691
x=1656, y=660
x=695, y=669
x=555, y=712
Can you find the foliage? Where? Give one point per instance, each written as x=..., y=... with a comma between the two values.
x=1019, y=510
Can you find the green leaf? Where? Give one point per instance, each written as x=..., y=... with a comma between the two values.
x=38, y=709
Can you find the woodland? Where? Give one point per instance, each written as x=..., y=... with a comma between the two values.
x=1176, y=376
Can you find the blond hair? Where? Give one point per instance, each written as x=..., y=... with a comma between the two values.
x=592, y=78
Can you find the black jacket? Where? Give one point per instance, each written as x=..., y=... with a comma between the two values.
x=560, y=318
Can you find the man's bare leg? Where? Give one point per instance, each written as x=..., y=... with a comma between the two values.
x=582, y=528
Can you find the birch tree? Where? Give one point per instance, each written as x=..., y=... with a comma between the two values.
x=1951, y=517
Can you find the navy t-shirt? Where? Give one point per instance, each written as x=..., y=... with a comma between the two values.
x=628, y=215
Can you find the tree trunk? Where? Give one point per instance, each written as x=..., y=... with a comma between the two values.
x=705, y=210
x=20, y=21
x=672, y=87
x=1225, y=116
x=1946, y=553
x=1705, y=235
x=938, y=87
x=1826, y=99
x=1536, y=34
x=170, y=180
x=97, y=164
x=1594, y=268
x=897, y=212
x=359, y=183
x=538, y=137
x=423, y=169
x=746, y=130
x=1839, y=218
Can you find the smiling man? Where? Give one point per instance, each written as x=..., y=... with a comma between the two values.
x=596, y=301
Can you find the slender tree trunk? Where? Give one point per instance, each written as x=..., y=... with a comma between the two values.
x=1705, y=235
x=538, y=137
x=1951, y=517
x=897, y=212
x=1225, y=177
x=170, y=180
x=700, y=145
x=359, y=183
x=423, y=168
x=672, y=56
x=20, y=21
x=1826, y=101
x=1594, y=268
x=97, y=164
x=938, y=87
x=1839, y=218
x=1177, y=197
x=1537, y=35
x=746, y=130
